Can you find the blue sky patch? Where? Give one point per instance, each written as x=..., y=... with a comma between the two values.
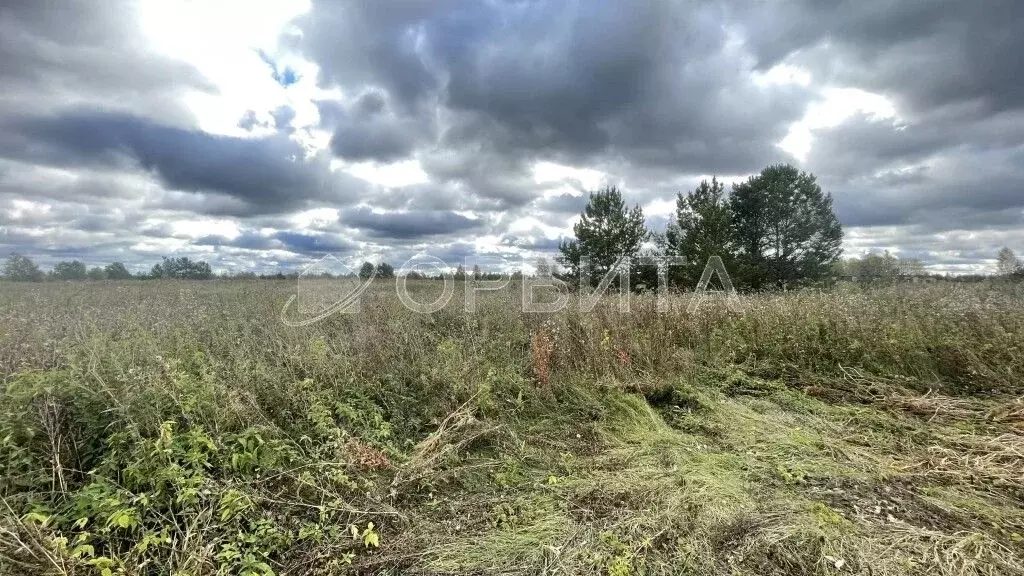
x=285, y=77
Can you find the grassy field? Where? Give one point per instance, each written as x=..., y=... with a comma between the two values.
x=182, y=428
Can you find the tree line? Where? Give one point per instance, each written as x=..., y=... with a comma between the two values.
x=885, y=268
x=776, y=229
x=21, y=268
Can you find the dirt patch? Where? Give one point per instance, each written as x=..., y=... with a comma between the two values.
x=892, y=503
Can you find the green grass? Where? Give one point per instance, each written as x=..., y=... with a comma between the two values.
x=181, y=428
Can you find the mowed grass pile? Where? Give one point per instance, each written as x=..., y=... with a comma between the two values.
x=181, y=428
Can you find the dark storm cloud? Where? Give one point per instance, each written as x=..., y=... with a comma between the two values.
x=383, y=142
x=361, y=39
x=969, y=191
x=944, y=175
x=287, y=240
x=304, y=243
x=407, y=225
x=366, y=129
x=952, y=161
x=927, y=53
x=510, y=83
x=246, y=240
x=480, y=170
x=862, y=144
x=265, y=175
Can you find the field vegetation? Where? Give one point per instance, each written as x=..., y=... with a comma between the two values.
x=179, y=427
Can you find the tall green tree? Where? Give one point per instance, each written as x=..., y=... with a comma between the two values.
x=874, y=268
x=70, y=270
x=117, y=271
x=366, y=270
x=21, y=269
x=607, y=230
x=182, y=268
x=783, y=228
x=701, y=230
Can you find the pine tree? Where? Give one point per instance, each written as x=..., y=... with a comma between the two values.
x=607, y=231
x=701, y=230
x=784, y=228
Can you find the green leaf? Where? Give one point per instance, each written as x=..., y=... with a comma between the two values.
x=123, y=518
x=83, y=550
x=36, y=518
x=371, y=537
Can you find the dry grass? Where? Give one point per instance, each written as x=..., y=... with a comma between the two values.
x=850, y=432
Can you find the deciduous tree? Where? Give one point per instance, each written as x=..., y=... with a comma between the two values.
x=117, y=271
x=873, y=268
x=182, y=268
x=70, y=270
x=21, y=269
x=1007, y=262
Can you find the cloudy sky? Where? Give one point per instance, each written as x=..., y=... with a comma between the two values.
x=262, y=135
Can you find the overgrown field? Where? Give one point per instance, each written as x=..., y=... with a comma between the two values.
x=181, y=428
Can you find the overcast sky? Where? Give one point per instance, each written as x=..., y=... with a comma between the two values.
x=263, y=135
